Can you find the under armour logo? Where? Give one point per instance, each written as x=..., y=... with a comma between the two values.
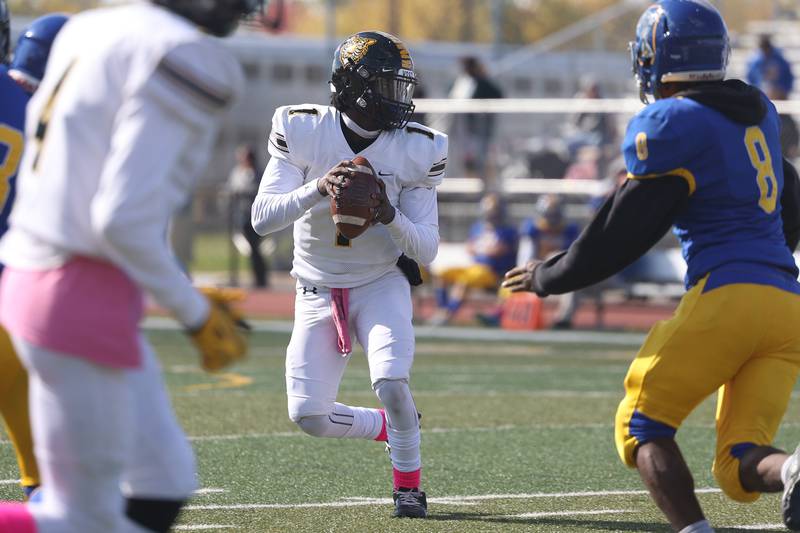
x=312, y=290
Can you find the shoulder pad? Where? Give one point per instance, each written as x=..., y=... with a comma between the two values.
x=422, y=131
x=664, y=138
x=202, y=72
x=303, y=111
x=427, y=149
x=292, y=127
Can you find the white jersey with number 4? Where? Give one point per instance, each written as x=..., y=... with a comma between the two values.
x=307, y=141
x=117, y=133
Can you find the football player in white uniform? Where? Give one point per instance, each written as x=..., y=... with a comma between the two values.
x=119, y=129
x=359, y=283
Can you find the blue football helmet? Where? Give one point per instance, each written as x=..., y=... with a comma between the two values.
x=33, y=48
x=5, y=31
x=679, y=41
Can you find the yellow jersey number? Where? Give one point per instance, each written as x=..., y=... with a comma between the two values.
x=13, y=140
x=761, y=160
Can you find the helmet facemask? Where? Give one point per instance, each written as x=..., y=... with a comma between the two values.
x=385, y=96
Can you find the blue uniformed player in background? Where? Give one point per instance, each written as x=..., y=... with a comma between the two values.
x=706, y=158
x=18, y=81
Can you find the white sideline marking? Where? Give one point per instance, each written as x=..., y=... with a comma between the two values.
x=762, y=527
x=568, y=513
x=507, y=427
x=210, y=490
x=458, y=333
x=9, y=481
x=445, y=500
x=199, y=527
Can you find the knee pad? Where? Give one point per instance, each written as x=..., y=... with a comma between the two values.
x=630, y=433
x=726, y=472
x=393, y=394
x=315, y=425
x=305, y=407
x=153, y=515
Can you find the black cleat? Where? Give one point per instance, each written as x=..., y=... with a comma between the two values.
x=790, y=503
x=410, y=504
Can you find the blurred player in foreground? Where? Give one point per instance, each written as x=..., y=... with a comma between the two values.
x=357, y=283
x=17, y=83
x=706, y=158
x=118, y=130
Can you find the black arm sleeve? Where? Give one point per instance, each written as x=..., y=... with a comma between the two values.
x=790, y=205
x=628, y=224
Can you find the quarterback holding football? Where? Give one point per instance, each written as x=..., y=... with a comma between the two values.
x=358, y=181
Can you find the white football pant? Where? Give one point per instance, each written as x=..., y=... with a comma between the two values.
x=380, y=319
x=101, y=435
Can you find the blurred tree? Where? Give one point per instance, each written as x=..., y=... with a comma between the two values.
x=39, y=7
x=525, y=21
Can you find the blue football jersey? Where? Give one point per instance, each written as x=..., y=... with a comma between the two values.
x=731, y=226
x=12, y=138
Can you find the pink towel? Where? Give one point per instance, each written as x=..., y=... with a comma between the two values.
x=340, y=304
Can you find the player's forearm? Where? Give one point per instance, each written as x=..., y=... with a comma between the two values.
x=272, y=212
x=420, y=241
x=143, y=254
x=627, y=225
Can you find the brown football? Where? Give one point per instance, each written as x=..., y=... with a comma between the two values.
x=353, y=208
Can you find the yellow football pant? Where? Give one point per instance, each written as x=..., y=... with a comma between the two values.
x=14, y=408
x=740, y=339
x=474, y=277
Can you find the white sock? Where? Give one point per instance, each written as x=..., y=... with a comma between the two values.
x=785, y=469
x=698, y=527
x=402, y=424
x=357, y=422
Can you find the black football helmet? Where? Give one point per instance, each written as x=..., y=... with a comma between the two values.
x=219, y=17
x=373, y=73
x=5, y=31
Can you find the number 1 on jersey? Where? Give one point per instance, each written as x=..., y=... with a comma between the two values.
x=761, y=160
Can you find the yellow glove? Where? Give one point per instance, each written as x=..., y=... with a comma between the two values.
x=221, y=341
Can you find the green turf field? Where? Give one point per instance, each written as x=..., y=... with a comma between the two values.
x=516, y=437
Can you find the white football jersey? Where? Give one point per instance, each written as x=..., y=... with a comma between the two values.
x=119, y=129
x=306, y=141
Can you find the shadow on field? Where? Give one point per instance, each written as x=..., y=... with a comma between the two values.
x=606, y=525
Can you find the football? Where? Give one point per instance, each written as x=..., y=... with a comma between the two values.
x=353, y=208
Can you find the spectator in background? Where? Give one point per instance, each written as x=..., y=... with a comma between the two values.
x=543, y=236
x=769, y=67
x=595, y=128
x=243, y=187
x=592, y=137
x=492, y=245
x=474, y=83
x=790, y=136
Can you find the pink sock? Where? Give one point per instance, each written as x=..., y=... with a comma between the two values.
x=382, y=436
x=406, y=480
x=16, y=517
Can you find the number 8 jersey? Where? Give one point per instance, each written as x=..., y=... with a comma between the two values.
x=12, y=125
x=731, y=161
